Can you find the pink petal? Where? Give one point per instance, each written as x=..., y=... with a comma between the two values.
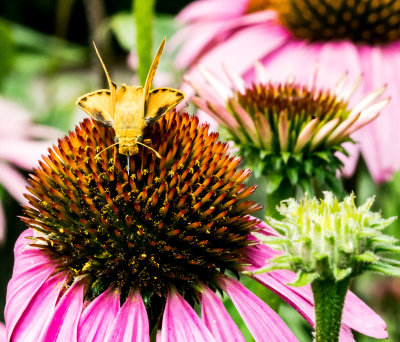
x=131, y=323
x=63, y=325
x=217, y=319
x=337, y=58
x=2, y=332
x=301, y=305
x=31, y=269
x=24, y=153
x=2, y=224
x=181, y=323
x=98, y=317
x=244, y=49
x=199, y=10
x=346, y=334
x=360, y=317
x=39, y=311
x=261, y=320
x=281, y=64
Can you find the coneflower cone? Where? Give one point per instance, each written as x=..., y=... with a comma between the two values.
x=176, y=221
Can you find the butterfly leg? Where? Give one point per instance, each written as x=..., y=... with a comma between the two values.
x=128, y=163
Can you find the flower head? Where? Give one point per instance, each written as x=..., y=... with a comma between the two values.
x=363, y=22
x=327, y=239
x=292, y=38
x=110, y=256
x=287, y=131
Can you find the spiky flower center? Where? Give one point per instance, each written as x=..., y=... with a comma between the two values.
x=371, y=22
x=257, y=5
x=176, y=221
x=290, y=132
x=299, y=105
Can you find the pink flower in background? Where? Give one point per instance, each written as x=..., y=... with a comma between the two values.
x=110, y=257
x=333, y=36
x=21, y=145
x=2, y=332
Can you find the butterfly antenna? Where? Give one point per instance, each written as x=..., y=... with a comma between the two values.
x=105, y=149
x=151, y=149
x=128, y=163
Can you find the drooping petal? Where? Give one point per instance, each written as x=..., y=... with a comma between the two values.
x=39, y=311
x=301, y=305
x=31, y=269
x=181, y=323
x=63, y=325
x=98, y=317
x=2, y=223
x=356, y=313
x=2, y=332
x=131, y=323
x=217, y=319
x=261, y=320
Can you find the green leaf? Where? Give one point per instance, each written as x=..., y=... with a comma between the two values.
x=273, y=182
x=7, y=50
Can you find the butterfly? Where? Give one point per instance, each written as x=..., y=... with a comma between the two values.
x=129, y=109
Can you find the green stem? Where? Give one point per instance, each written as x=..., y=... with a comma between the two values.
x=329, y=296
x=143, y=11
x=284, y=191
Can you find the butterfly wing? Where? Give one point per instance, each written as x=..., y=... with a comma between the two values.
x=98, y=105
x=160, y=101
x=111, y=84
x=152, y=72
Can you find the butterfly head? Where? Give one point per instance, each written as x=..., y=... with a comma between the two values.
x=127, y=146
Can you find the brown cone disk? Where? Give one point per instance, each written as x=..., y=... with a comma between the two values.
x=373, y=22
x=179, y=220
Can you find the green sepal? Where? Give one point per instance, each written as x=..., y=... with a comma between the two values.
x=367, y=257
x=273, y=182
x=384, y=268
x=303, y=279
x=293, y=176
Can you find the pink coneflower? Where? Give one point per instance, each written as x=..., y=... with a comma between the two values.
x=21, y=144
x=112, y=256
x=295, y=38
x=289, y=132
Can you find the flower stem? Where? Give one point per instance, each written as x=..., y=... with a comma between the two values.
x=329, y=296
x=144, y=15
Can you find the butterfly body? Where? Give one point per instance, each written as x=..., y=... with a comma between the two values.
x=128, y=109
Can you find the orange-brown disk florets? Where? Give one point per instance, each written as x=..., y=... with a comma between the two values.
x=367, y=21
x=177, y=220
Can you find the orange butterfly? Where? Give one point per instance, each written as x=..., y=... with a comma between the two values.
x=129, y=109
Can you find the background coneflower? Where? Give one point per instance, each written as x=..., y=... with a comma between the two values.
x=292, y=38
x=21, y=144
x=288, y=132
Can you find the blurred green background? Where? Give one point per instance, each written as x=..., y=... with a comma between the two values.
x=47, y=62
